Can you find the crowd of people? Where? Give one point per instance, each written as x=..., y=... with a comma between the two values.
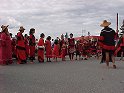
x=27, y=48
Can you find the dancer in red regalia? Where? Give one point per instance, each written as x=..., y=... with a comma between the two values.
x=56, y=50
x=63, y=51
x=108, y=42
x=32, y=44
x=14, y=47
x=71, y=46
x=78, y=47
x=121, y=46
x=48, y=48
x=5, y=47
x=27, y=45
x=63, y=48
x=21, y=49
x=41, y=48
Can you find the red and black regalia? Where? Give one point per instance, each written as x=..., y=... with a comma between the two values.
x=48, y=48
x=32, y=47
x=122, y=44
x=107, y=39
x=78, y=47
x=41, y=50
x=27, y=46
x=71, y=46
x=14, y=48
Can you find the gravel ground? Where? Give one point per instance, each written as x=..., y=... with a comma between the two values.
x=62, y=77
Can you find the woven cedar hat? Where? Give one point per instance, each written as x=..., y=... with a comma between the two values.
x=4, y=27
x=21, y=28
x=105, y=23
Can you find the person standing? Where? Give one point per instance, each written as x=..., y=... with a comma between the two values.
x=27, y=45
x=41, y=48
x=108, y=42
x=14, y=47
x=48, y=48
x=5, y=47
x=122, y=46
x=32, y=45
x=71, y=46
x=63, y=51
x=21, y=49
x=78, y=47
x=63, y=47
x=56, y=50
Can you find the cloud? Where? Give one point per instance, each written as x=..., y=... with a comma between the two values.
x=13, y=23
x=55, y=17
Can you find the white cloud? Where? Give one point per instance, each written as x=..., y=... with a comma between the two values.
x=13, y=23
x=54, y=17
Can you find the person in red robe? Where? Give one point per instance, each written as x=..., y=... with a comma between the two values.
x=41, y=48
x=121, y=46
x=71, y=46
x=5, y=47
x=27, y=45
x=63, y=51
x=63, y=47
x=14, y=47
x=21, y=49
x=86, y=49
x=56, y=50
x=78, y=48
x=48, y=48
x=32, y=45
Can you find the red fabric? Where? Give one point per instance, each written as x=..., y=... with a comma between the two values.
x=27, y=50
x=32, y=38
x=71, y=47
x=100, y=44
x=99, y=51
x=101, y=38
x=32, y=51
x=41, y=51
x=108, y=47
x=79, y=47
x=48, y=49
x=27, y=46
x=63, y=52
x=21, y=53
x=56, y=51
x=122, y=43
x=117, y=50
x=5, y=49
x=20, y=42
x=14, y=47
x=32, y=46
x=71, y=42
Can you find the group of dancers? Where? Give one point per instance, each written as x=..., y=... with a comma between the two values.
x=28, y=47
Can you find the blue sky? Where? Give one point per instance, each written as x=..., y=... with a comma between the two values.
x=56, y=17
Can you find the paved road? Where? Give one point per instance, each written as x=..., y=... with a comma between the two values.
x=62, y=77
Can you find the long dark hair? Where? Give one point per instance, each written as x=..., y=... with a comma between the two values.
x=31, y=31
x=49, y=38
x=42, y=35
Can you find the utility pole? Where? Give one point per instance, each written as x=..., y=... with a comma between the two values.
x=117, y=24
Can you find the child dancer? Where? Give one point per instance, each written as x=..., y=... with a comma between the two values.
x=48, y=48
x=56, y=50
